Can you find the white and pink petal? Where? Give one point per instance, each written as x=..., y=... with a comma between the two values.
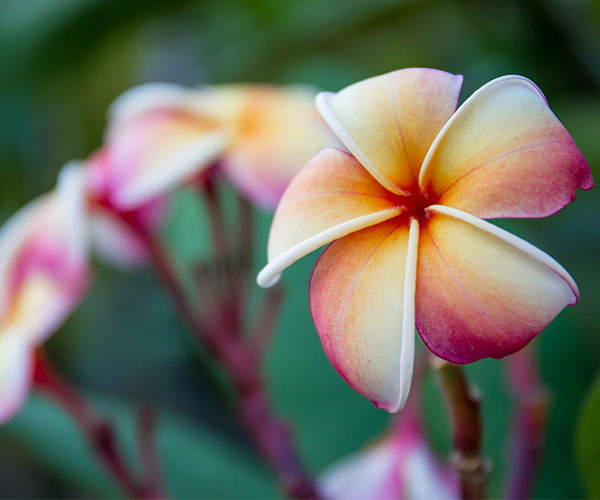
x=43, y=259
x=362, y=304
x=481, y=291
x=274, y=133
x=389, y=121
x=505, y=154
x=16, y=360
x=332, y=196
x=153, y=152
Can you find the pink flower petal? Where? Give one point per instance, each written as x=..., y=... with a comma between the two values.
x=15, y=373
x=150, y=97
x=388, y=122
x=362, y=303
x=372, y=474
x=275, y=132
x=153, y=152
x=43, y=260
x=332, y=196
x=481, y=291
x=505, y=154
x=400, y=464
x=114, y=242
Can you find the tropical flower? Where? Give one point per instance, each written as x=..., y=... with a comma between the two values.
x=399, y=465
x=162, y=135
x=154, y=142
x=273, y=131
x=43, y=274
x=403, y=212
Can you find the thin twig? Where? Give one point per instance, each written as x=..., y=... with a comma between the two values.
x=150, y=464
x=245, y=251
x=262, y=331
x=99, y=433
x=463, y=402
x=271, y=437
x=531, y=413
x=210, y=193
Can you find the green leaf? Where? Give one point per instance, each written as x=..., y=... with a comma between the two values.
x=588, y=442
x=195, y=462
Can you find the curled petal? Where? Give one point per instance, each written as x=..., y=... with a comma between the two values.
x=332, y=196
x=13, y=234
x=372, y=474
x=505, y=154
x=152, y=152
x=275, y=132
x=41, y=304
x=151, y=97
x=43, y=260
x=425, y=478
x=399, y=464
x=114, y=242
x=72, y=215
x=388, y=122
x=362, y=303
x=15, y=373
x=481, y=291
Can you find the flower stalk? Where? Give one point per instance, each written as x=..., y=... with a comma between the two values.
x=101, y=436
x=219, y=327
x=463, y=402
x=531, y=413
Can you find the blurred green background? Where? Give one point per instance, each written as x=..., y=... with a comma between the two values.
x=62, y=62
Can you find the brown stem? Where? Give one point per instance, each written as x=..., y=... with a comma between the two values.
x=246, y=253
x=273, y=439
x=216, y=217
x=463, y=403
x=99, y=433
x=532, y=402
x=264, y=327
x=151, y=477
x=237, y=359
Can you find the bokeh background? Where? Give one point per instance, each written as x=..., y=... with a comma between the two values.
x=62, y=62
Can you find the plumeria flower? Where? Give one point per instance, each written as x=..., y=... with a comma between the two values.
x=400, y=465
x=162, y=135
x=273, y=131
x=43, y=274
x=404, y=212
x=155, y=141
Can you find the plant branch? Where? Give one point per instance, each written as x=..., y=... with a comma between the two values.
x=532, y=403
x=464, y=406
x=238, y=359
x=151, y=477
x=208, y=188
x=99, y=433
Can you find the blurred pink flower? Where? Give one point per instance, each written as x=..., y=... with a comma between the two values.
x=403, y=212
x=273, y=131
x=156, y=140
x=400, y=465
x=112, y=238
x=161, y=135
x=43, y=275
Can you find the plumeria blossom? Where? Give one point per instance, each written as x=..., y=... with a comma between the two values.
x=400, y=465
x=273, y=132
x=43, y=274
x=404, y=215
x=161, y=135
x=154, y=142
